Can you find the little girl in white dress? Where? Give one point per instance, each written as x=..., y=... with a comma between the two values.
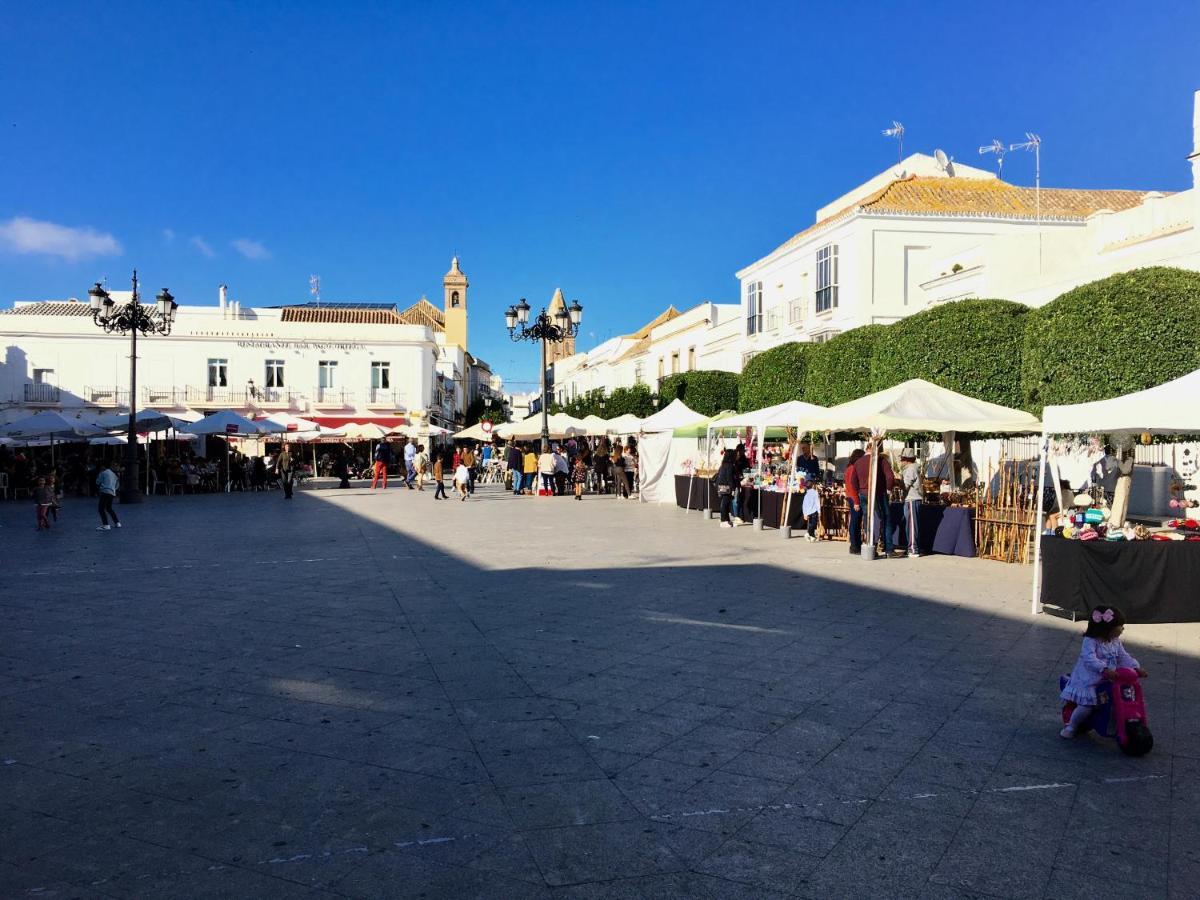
x=1101, y=653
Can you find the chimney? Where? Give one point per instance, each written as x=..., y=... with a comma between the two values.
x=222, y=298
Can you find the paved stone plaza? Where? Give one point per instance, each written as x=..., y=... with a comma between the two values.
x=373, y=695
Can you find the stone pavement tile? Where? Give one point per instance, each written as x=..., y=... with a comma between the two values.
x=517, y=709
x=840, y=797
x=803, y=738
x=586, y=853
x=396, y=873
x=754, y=720
x=539, y=765
x=687, y=751
x=883, y=754
x=654, y=772
x=497, y=739
x=784, y=769
x=982, y=853
x=890, y=852
x=568, y=803
x=25, y=836
x=17, y=881
x=760, y=865
x=788, y=828
x=1067, y=884
x=954, y=765
x=691, y=885
x=115, y=865
x=683, y=708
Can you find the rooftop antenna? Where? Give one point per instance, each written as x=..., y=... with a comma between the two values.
x=896, y=131
x=944, y=162
x=1034, y=142
x=314, y=287
x=999, y=149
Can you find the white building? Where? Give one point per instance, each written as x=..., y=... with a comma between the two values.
x=917, y=235
x=334, y=363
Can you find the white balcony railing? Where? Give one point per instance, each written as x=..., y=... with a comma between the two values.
x=215, y=396
x=383, y=398
x=107, y=397
x=41, y=393
x=333, y=398
x=163, y=397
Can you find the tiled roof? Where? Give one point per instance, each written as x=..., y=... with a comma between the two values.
x=665, y=316
x=341, y=316
x=424, y=313
x=50, y=308
x=976, y=197
x=638, y=346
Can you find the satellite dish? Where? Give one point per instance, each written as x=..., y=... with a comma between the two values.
x=942, y=159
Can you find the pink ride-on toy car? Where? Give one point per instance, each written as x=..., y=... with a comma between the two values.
x=1120, y=713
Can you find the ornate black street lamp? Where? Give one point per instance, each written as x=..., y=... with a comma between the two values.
x=132, y=317
x=563, y=325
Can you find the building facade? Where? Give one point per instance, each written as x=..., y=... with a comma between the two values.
x=333, y=363
x=916, y=235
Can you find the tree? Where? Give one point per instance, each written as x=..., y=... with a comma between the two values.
x=970, y=346
x=774, y=376
x=707, y=392
x=840, y=369
x=636, y=400
x=1110, y=337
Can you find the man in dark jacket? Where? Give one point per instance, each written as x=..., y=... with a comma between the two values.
x=857, y=492
x=515, y=463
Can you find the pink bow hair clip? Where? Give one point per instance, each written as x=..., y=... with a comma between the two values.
x=1106, y=616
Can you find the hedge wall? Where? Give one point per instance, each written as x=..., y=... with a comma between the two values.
x=840, y=369
x=774, y=376
x=636, y=400
x=970, y=346
x=1121, y=334
x=706, y=392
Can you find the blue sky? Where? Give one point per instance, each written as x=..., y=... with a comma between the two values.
x=635, y=154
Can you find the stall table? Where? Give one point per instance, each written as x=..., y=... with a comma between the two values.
x=1150, y=581
x=691, y=491
x=948, y=530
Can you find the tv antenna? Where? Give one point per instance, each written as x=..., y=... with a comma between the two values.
x=1033, y=143
x=314, y=287
x=897, y=132
x=999, y=149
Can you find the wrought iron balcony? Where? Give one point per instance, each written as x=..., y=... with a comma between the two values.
x=42, y=394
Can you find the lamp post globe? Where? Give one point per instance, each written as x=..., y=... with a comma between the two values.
x=547, y=329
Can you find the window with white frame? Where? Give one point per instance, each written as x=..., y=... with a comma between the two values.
x=691, y=359
x=662, y=366
x=754, y=317
x=274, y=377
x=381, y=375
x=218, y=373
x=326, y=373
x=796, y=312
x=675, y=362
x=639, y=372
x=827, y=278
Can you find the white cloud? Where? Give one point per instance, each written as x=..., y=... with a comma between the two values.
x=203, y=246
x=251, y=249
x=168, y=235
x=23, y=235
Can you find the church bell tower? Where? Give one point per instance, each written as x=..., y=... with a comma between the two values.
x=454, y=287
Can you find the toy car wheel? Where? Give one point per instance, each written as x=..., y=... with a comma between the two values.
x=1138, y=740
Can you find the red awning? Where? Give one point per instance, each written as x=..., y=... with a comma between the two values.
x=337, y=421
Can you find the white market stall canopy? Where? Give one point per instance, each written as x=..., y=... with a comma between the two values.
x=50, y=426
x=474, y=433
x=626, y=424
x=786, y=415
x=595, y=425
x=364, y=431
x=918, y=405
x=229, y=423
x=291, y=423
x=676, y=414
x=561, y=425
x=1170, y=408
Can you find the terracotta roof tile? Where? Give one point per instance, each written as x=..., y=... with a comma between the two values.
x=333, y=315
x=976, y=197
x=50, y=308
x=424, y=313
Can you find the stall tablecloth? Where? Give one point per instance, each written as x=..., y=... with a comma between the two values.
x=1150, y=581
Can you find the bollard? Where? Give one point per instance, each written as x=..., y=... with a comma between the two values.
x=786, y=531
x=758, y=524
x=708, y=513
x=868, y=551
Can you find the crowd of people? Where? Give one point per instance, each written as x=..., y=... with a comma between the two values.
x=601, y=466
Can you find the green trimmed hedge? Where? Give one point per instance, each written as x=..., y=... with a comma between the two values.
x=774, y=376
x=636, y=400
x=1121, y=334
x=707, y=392
x=839, y=370
x=970, y=346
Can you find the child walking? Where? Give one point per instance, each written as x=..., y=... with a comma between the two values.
x=439, y=475
x=43, y=496
x=462, y=480
x=1102, y=652
x=579, y=476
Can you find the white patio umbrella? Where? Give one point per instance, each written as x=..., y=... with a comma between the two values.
x=51, y=426
x=229, y=424
x=595, y=425
x=364, y=431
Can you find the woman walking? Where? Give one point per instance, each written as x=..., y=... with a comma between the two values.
x=727, y=479
x=619, y=477
x=107, y=482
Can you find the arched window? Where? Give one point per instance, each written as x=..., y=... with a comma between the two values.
x=454, y=298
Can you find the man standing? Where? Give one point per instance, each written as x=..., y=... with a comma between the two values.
x=808, y=464
x=422, y=463
x=410, y=463
x=855, y=498
x=561, y=468
x=107, y=483
x=884, y=481
x=516, y=465
x=383, y=459
x=283, y=465
x=913, y=495
x=468, y=460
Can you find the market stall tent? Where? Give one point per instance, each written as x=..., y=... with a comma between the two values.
x=676, y=414
x=561, y=425
x=1170, y=408
x=474, y=433
x=595, y=425
x=659, y=453
x=626, y=424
